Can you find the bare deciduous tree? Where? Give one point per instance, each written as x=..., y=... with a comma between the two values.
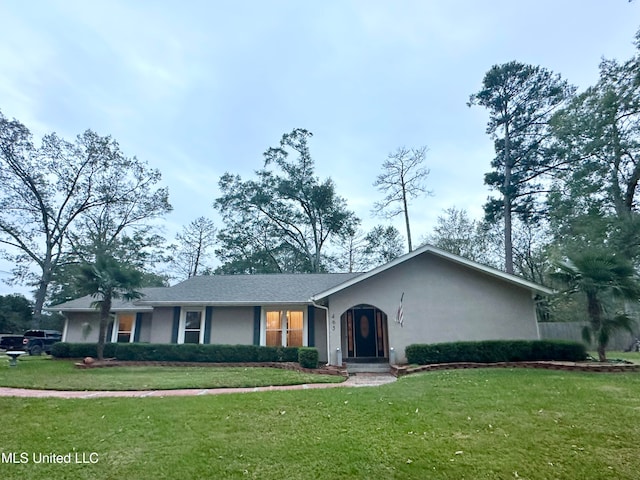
x=194, y=242
x=402, y=179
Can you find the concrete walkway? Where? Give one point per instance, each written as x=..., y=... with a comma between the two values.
x=358, y=380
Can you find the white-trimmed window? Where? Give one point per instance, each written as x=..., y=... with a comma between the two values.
x=124, y=328
x=191, y=329
x=284, y=327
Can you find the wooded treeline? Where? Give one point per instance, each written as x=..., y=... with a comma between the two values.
x=565, y=176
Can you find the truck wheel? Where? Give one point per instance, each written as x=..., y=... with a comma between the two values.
x=36, y=350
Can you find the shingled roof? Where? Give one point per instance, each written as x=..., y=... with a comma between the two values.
x=246, y=289
x=84, y=304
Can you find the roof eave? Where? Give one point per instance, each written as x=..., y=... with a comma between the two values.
x=134, y=308
x=209, y=303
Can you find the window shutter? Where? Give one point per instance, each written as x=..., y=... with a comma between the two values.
x=207, y=324
x=311, y=326
x=136, y=336
x=176, y=324
x=256, y=325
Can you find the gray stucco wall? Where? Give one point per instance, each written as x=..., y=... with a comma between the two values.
x=320, y=334
x=162, y=325
x=76, y=331
x=443, y=302
x=232, y=325
x=82, y=327
x=144, y=327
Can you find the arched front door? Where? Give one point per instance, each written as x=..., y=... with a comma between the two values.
x=366, y=332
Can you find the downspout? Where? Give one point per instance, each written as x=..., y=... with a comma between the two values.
x=65, y=328
x=535, y=314
x=326, y=311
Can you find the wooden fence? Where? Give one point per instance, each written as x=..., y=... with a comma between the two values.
x=620, y=341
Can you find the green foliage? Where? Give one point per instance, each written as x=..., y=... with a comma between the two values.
x=461, y=235
x=520, y=99
x=493, y=351
x=605, y=280
x=107, y=279
x=139, y=251
x=594, y=202
x=282, y=220
x=359, y=252
x=15, y=314
x=382, y=244
x=179, y=352
x=308, y=357
x=54, y=195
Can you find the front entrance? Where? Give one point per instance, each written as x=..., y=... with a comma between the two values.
x=366, y=332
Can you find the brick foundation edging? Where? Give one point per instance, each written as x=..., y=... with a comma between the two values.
x=400, y=371
x=325, y=370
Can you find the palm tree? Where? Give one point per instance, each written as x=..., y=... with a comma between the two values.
x=607, y=281
x=107, y=279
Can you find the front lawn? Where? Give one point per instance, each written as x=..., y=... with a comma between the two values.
x=50, y=374
x=474, y=424
x=628, y=356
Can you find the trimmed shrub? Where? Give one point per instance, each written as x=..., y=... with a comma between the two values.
x=494, y=351
x=187, y=352
x=60, y=350
x=80, y=350
x=308, y=357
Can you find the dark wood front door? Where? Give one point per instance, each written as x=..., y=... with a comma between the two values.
x=365, y=333
x=365, y=329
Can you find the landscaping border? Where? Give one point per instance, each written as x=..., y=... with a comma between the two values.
x=395, y=370
x=402, y=370
x=325, y=370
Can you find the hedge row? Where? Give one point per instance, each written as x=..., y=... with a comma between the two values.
x=178, y=353
x=493, y=351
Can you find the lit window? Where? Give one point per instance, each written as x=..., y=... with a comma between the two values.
x=274, y=328
x=289, y=322
x=124, y=328
x=294, y=328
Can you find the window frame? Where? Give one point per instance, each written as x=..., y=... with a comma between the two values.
x=183, y=322
x=284, y=328
x=116, y=327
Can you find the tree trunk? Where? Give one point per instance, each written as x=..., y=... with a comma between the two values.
x=406, y=217
x=594, y=309
x=41, y=295
x=602, y=356
x=508, y=241
x=105, y=309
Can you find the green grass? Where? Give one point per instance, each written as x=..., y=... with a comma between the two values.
x=47, y=373
x=629, y=356
x=474, y=424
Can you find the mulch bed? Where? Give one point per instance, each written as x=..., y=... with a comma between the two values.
x=324, y=370
x=396, y=370
x=399, y=370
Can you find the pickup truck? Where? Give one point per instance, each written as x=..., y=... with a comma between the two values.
x=10, y=341
x=37, y=341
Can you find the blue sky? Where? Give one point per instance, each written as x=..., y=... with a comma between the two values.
x=198, y=88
